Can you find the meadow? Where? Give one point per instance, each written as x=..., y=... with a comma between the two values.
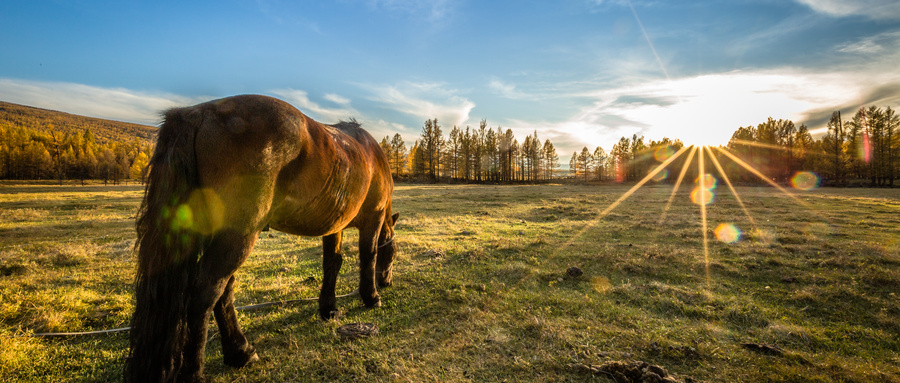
x=792, y=290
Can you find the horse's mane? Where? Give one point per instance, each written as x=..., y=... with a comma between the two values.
x=344, y=125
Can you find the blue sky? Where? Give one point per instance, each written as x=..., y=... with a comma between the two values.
x=579, y=72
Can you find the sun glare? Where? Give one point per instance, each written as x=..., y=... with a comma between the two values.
x=703, y=193
x=702, y=138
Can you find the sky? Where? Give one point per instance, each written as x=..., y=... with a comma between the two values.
x=582, y=73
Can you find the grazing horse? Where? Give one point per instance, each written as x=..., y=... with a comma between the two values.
x=222, y=171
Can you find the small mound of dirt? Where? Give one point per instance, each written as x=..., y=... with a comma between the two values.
x=433, y=253
x=574, y=272
x=631, y=372
x=766, y=349
x=357, y=330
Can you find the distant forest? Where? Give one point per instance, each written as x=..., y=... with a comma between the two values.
x=862, y=150
x=43, y=144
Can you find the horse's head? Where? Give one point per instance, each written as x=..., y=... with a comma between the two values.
x=387, y=248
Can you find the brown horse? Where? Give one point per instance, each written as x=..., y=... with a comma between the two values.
x=221, y=171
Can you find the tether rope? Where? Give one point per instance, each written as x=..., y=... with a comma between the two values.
x=123, y=329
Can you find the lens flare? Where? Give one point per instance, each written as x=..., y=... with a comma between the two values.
x=805, y=181
x=865, y=150
x=663, y=153
x=684, y=169
x=703, y=224
x=184, y=217
x=737, y=197
x=707, y=181
x=702, y=196
x=760, y=175
x=728, y=233
x=661, y=175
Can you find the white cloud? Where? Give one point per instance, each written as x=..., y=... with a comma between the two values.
x=377, y=127
x=875, y=9
x=423, y=100
x=109, y=103
x=337, y=99
x=707, y=109
x=300, y=99
x=882, y=43
x=507, y=90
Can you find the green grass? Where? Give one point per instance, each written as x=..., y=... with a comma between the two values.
x=481, y=291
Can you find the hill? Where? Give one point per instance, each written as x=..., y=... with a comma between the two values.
x=43, y=120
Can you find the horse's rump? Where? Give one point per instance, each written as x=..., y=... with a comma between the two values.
x=220, y=172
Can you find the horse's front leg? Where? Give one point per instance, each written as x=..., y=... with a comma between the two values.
x=331, y=266
x=367, y=251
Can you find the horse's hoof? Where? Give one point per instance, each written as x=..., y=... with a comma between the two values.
x=241, y=359
x=384, y=279
x=372, y=302
x=327, y=315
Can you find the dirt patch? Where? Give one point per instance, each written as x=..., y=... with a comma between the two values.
x=631, y=372
x=357, y=330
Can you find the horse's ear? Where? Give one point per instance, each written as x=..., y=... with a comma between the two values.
x=394, y=218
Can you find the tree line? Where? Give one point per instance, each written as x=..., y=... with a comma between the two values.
x=472, y=155
x=29, y=154
x=628, y=160
x=861, y=150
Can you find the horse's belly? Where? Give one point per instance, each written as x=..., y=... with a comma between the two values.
x=312, y=221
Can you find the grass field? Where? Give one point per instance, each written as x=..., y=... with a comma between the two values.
x=481, y=291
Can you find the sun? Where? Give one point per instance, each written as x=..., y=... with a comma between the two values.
x=702, y=133
x=705, y=139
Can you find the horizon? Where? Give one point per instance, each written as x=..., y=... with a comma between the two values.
x=580, y=73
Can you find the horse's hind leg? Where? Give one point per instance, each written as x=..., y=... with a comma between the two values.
x=331, y=266
x=236, y=351
x=222, y=257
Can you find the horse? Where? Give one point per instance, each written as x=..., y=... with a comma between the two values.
x=221, y=172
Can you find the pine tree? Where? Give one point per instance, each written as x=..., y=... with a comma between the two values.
x=551, y=159
x=599, y=161
x=584, y=159
x=833, y=144
x=398, y=159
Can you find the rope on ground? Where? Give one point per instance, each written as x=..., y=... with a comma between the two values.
x=123, y=329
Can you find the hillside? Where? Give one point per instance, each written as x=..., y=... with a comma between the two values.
x=41, y=120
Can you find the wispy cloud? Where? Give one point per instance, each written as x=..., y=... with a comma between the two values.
x=337, y=99
x=301, y=100
x=431, y=10
x=285, y=13
x=707, y=109
x=888, y=42
x=377, y=127
x=109, y=103
x=507, y=90
x=874, y=9
x=423, y=100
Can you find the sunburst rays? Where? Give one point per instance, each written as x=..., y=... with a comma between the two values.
x=703, y=195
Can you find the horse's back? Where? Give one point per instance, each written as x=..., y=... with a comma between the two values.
x=266, y=162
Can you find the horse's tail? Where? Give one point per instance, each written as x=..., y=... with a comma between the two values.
x=168, y=248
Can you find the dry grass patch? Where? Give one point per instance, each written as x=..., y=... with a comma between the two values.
x=482, y=292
